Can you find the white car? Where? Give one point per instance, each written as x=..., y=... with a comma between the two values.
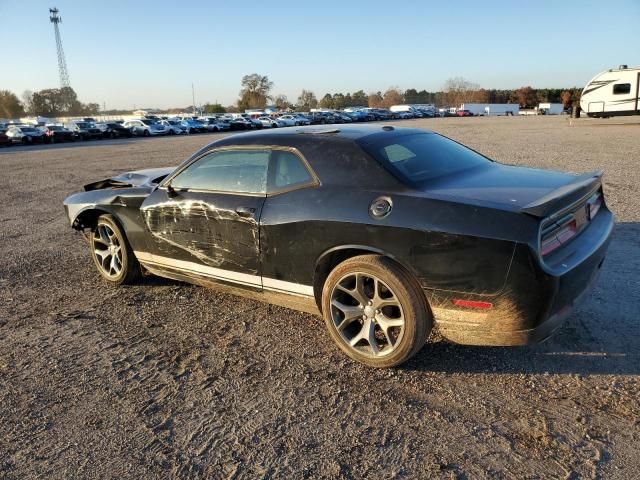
x=174, y=127
x=288, y=120
x=268, y=122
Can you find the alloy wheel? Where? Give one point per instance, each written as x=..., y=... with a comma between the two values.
x=107, y=250
x=367, y=314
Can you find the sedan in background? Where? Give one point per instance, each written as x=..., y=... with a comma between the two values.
x=174, y=127
x=240, y=123
x=4, y=139
x=114, y=130
x=464, y=113
x=84, y=130
x=194, y=126
x=57, y=133
x=268, y=122
x=301, y=119
x=145, y=128
x=215, y=125
x=25, y=134
x=288, y=120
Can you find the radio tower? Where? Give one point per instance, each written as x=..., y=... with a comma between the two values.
x=62, y=63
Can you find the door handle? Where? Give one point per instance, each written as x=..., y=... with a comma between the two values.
x=245, y=211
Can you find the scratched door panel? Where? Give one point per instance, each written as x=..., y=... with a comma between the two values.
x=205, y=229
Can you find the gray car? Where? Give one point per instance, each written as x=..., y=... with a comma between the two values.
x=146, y=128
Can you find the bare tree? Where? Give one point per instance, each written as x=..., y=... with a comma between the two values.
x=392, y=96
x=282, y=102
x=374, y=100
x=27, y=101
x=460, y=90
x=307, y=100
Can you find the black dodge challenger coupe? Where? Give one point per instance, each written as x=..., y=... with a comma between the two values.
x=385, y=231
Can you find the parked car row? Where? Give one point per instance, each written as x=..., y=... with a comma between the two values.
x=154, y=125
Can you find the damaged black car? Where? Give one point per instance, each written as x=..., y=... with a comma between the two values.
x=386, y=232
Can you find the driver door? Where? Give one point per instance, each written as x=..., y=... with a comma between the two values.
x=205, y=220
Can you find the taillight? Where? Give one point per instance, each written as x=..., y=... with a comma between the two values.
x=594, y=204
x=558, y=234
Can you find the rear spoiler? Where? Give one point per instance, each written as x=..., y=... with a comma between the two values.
x=565, y=195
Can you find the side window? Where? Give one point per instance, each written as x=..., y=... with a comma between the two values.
x=240, y=171
x=287, y=170
x=621, y=88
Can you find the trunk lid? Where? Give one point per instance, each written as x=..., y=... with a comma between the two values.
x=533, y=191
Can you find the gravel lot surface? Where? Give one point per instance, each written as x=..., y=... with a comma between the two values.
x=169, y=380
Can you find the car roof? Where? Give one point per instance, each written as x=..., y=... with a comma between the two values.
x=351, y=132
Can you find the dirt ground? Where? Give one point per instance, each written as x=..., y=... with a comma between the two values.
x=165, y=380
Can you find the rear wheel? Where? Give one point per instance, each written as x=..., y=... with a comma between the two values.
x=146, y=133
x=112, y=253
x=375, y=311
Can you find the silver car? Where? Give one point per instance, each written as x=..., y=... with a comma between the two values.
x=25, y=134
x=174, y=127
x=146, y=127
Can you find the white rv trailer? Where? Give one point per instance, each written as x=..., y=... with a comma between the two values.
x=613, y=92
x=550, y=108
x=491, y=108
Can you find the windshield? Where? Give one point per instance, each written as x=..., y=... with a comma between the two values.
x=83, y=125
x=27, y=129
x=54, y=128
x=419, y=157
x=149, y=122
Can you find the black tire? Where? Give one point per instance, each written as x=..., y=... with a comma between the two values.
x=406, y=292
x=171, y=132
x=131, y=271
x=146, y=133
x=26, y=140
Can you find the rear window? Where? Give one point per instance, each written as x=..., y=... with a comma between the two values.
x=419, y=157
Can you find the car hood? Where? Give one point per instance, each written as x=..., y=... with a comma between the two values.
x=137, y=178
x=511, y=188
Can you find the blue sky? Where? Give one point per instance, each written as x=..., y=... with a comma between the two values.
x=147, y=53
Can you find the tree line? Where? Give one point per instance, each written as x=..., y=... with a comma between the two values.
x=50, y=102
x=256, y=92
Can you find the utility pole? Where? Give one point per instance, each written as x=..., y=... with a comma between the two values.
x=193, y=98
x=62, y=62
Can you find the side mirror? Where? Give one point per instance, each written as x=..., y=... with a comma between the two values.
x=171, y=192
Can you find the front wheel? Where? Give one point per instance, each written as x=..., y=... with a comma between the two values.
x=112, y=254
x=375, y=311
x=146, y=133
